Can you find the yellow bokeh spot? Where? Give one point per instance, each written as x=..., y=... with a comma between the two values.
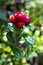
x=4, y=55
x=23, y=60
x=12, y=53
x=8, y=49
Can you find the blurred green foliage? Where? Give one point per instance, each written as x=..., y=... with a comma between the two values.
x=31, y=37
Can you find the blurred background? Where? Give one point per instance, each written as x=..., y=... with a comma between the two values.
x=32, y=8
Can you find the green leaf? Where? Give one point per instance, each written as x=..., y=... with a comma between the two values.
x=26, y=39
x=10, y=27
x=10, y=37
x=18, y=53
x=1, y=51
x=27, y=12
x=2, y=45
x=30, y=39
x=30, y=27
x=37, y=32
x=22, y=40
x=1, y=60
x=4, y=36
x=26, y=30
x=29, y=48
x=25, y=43
x=31, y=55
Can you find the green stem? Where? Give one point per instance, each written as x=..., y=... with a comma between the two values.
x=12, y=60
